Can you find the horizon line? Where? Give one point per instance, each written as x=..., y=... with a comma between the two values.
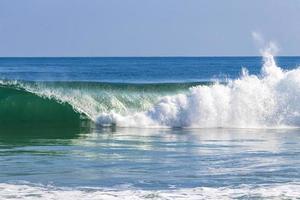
x=208, y=56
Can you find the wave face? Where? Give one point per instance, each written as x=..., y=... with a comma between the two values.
x=20, y=107
x=84, y=99
x=268, y=100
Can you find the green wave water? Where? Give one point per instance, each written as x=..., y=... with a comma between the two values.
x=18, y=107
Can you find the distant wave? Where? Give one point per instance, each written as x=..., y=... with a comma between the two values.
x=268, y=100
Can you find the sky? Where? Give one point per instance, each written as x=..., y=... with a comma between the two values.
x=146, y=27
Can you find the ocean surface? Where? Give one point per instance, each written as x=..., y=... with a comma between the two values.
x=150, y=128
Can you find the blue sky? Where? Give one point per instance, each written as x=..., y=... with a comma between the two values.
x=146, y=27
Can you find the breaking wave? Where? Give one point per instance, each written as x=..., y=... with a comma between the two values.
x=268, y=100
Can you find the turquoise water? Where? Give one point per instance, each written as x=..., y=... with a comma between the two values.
x=149, y=128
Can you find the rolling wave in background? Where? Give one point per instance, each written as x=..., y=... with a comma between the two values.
x=268, y=100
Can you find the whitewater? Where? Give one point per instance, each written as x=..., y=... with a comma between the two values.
x=269, y=100
x=32, y=192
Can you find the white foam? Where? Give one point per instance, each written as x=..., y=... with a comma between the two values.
x=30, y=192
x=268, y=100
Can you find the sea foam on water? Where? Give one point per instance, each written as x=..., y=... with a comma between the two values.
x=285, y=191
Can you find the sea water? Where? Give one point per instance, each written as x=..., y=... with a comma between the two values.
x=150, y=128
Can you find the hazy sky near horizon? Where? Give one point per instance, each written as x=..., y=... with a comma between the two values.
x=146, y=27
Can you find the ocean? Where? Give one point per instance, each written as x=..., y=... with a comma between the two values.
x=150, y=128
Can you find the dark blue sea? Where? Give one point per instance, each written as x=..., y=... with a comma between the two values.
x=150, y=128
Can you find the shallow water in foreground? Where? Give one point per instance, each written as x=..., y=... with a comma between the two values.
x=149, y=163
